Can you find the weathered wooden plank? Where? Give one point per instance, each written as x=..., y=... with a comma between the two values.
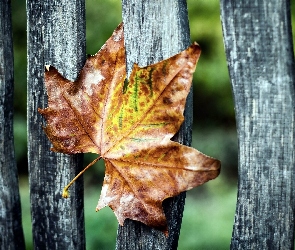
x=155, y=30
x=56, y=36
x=259, y=50
x=11, y=233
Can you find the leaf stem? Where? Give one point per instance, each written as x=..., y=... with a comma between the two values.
x=65, y=192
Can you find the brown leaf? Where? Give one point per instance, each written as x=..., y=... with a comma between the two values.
x=129, y=124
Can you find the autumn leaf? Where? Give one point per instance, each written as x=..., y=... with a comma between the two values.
x=129, y=123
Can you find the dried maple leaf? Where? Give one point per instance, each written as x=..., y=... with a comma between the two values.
x=129, y=124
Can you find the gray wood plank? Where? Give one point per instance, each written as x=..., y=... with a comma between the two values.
x=155, y=30
x=259, y=50
x=11, y=232
x=56, y=36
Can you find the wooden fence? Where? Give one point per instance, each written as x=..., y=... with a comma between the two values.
x=259, y=50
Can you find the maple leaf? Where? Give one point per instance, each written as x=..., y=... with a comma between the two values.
x=129, y=124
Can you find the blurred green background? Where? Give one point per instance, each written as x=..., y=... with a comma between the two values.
x=209, y=211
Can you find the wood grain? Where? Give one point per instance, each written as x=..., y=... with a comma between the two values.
x=56, y=36
x=259, y=50
x=11, y=232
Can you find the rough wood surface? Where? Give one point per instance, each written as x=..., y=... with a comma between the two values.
x=11, y=233
x=258, y=42
x=56, y=36
x=155, y=30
